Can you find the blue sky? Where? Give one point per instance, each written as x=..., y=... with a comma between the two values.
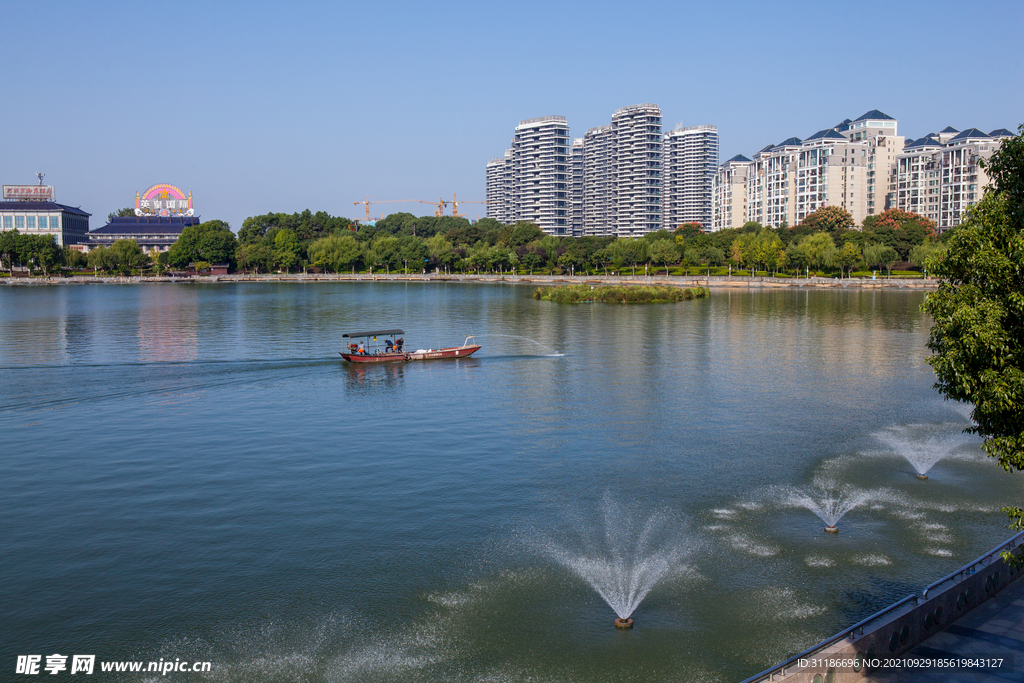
x=260, y=107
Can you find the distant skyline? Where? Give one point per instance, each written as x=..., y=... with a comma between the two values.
x=260, y=107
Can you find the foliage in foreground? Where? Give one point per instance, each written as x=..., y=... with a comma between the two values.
x=978, y=336
x=644, y=294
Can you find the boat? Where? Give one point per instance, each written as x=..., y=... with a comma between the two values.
x=387, y=346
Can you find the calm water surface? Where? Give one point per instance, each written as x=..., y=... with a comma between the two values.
x=191, y=472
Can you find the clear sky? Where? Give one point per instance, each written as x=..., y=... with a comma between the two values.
x=275, y=106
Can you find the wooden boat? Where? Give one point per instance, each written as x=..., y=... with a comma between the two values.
x=385, y=346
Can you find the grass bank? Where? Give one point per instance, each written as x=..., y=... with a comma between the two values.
x=613, y=294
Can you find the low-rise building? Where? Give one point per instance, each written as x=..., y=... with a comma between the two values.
x=30, y=210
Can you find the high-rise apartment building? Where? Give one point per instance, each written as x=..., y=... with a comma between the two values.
x=638, y=165
x=917, y=174
x=729, y=194
x=576, y=183
x=939, y=177
x=532, y=182
x=598, y=185
x=963, y=178
x=499, y=188
x=690, y=158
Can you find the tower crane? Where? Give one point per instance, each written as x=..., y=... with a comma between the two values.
x=381, y=201
x=455, y=205
x=440, y=204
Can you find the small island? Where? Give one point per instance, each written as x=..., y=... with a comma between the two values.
x=617, y=294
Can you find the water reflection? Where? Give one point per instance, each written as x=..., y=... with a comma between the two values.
x=370, y=379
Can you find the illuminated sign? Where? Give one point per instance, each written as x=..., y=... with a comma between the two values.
x=163, y=200
x=36, y=192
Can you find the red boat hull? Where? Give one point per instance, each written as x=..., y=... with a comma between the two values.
x=429, y=354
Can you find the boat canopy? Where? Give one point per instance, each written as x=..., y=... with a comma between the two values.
x=375, y=333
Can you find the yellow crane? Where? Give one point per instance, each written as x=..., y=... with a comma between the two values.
x=381, y=201
x=456, y=202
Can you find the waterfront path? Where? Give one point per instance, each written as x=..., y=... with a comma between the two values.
x=993, y=629
x=713, y=282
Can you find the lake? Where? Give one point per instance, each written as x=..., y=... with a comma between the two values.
x=191, y=472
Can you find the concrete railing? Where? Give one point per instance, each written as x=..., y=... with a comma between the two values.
x=900, y=626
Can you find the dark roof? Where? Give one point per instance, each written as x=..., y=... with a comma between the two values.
x=949, y=129
x=739, y=157
x=788, y=143
x=155, y=225
x=1000, y=132
x=843, y=125
x=875, y=114
x=375, y=333
x=922, y=142
x=41, y=206
x=827, y=134
x=765, y=148
x=970, y=133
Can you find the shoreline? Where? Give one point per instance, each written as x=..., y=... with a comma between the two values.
x=713, y=282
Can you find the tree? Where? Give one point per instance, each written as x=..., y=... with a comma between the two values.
x=211, y=241
x=127, y=255
x=818, y=249
x=664, y=251
x=978, y=309
x=830, y=218
x=524, y=233
x=121, y=213
x=847, y=257
x=922, y=253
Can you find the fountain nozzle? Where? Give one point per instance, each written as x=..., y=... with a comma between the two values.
x=922, y=476
x=832, y=530
x=624, y=624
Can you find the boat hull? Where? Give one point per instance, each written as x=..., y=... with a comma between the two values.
x=429, y=354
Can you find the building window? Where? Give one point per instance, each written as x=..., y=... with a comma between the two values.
x=8, y=222
x=19, y=222
x=30, y=222
x=54, y=222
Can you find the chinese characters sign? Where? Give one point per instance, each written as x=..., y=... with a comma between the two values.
x=36, y=192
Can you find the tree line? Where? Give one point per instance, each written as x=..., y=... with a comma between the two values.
x=826, y=241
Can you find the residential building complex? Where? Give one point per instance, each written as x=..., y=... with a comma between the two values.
x=729, y=194
x=690, y=159
x=608, y=183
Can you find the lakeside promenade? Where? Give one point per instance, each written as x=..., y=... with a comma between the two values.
x=713, y=282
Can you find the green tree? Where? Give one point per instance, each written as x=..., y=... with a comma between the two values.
x=664, y=252
x=121, y=213
x=922, y=253
x=127, y=255
x=211, y=241
x=818, y=249
x=524, y=233
x=847, y=257
x=978, y=310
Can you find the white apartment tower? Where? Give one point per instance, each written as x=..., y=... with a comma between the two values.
x=499, y=188
x=690, y=159
x=729, y=194
x=917, y=174
x=638, y=163
x=533, y=181
x=576, y=179
x=599, y=182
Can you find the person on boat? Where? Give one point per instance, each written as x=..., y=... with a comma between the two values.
x=398, y=344
x=389, y=346
x=362, y=349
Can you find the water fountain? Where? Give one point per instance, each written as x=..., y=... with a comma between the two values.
x=624, y=556
x=923, y=445
x=827, y=499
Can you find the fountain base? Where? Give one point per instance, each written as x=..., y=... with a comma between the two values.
x=623, y=624
x=922, y=476
x=832, y=530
